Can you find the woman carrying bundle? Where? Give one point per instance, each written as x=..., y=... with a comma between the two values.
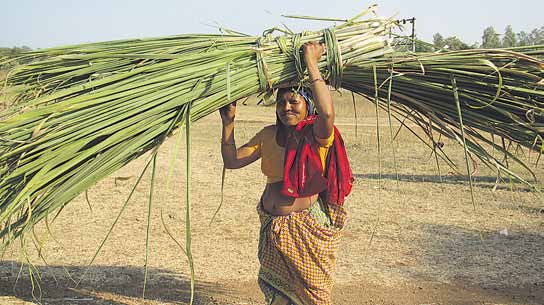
x=308, y=177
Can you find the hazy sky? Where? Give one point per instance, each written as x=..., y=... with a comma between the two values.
x=47, y=23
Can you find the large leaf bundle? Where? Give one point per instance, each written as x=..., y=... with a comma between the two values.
x=82, y=112
x=500, y=94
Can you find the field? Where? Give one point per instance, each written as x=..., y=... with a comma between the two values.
x=416, y=240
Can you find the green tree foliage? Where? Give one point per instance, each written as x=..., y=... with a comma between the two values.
x=523, y=38
x=14, y=50
x=509, y=38
x=422, y=47
x=438, y=41
x=490, y=38
x=537, y=36
x=450, y=43
x=454, y=43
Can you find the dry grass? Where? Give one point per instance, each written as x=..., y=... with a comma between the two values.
x=417, y=233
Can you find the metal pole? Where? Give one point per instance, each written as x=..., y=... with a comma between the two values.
x=413, y=34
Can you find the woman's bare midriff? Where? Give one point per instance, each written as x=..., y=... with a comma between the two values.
x=277, y=204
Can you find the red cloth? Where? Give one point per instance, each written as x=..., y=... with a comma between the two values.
x=303, y=173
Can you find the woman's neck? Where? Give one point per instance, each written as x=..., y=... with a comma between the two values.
x=281, y=133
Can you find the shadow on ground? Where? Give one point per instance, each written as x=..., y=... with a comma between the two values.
x=103, y=285
x=504, y=268
x=478, y=181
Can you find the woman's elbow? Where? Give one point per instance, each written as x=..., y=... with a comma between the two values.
x=327, y=116
x=230, y=165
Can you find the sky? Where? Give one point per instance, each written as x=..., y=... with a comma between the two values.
x=49, y=23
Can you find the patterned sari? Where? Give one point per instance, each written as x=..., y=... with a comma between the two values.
x=297, y=253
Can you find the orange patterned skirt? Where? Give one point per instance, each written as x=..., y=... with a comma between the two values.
x=297, y=254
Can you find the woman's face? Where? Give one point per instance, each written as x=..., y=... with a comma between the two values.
x=291, y=107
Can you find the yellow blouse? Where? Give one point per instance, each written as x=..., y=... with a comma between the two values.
x=272, y=155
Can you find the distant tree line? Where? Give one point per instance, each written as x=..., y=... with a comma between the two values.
x=490, y=39
x=14, y=50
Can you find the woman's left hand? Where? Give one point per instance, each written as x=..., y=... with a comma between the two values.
x=312, y=52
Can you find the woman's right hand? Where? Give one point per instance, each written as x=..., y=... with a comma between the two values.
x=228, y=112
x=312, y=51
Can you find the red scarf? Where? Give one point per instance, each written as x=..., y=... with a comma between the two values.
x=303, y=174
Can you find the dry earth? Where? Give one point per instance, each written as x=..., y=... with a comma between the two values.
x=413, y=241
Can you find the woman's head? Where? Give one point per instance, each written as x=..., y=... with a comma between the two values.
x=293, y=105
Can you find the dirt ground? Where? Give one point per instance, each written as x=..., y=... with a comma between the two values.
x=416, y=240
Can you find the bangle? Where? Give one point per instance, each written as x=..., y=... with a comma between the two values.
x=317, y=80
x=228, y=144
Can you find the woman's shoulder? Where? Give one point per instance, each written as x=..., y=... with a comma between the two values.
x=269, y=129
x=266, y=133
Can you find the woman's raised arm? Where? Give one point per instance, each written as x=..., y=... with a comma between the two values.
x=324, y=125
x=234, y=157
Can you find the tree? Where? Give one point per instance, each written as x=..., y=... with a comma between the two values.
x=509, y=39
x=14, y=50
x=490, y=39
x=524, y=39
x=450, y=43
x=438, y=41
x=421, y=47
x=454, y=43
x=537, y=36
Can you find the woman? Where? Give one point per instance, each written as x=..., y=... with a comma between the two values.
x=300, y=208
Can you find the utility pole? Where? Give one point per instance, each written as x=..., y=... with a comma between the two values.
x=412, y=21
